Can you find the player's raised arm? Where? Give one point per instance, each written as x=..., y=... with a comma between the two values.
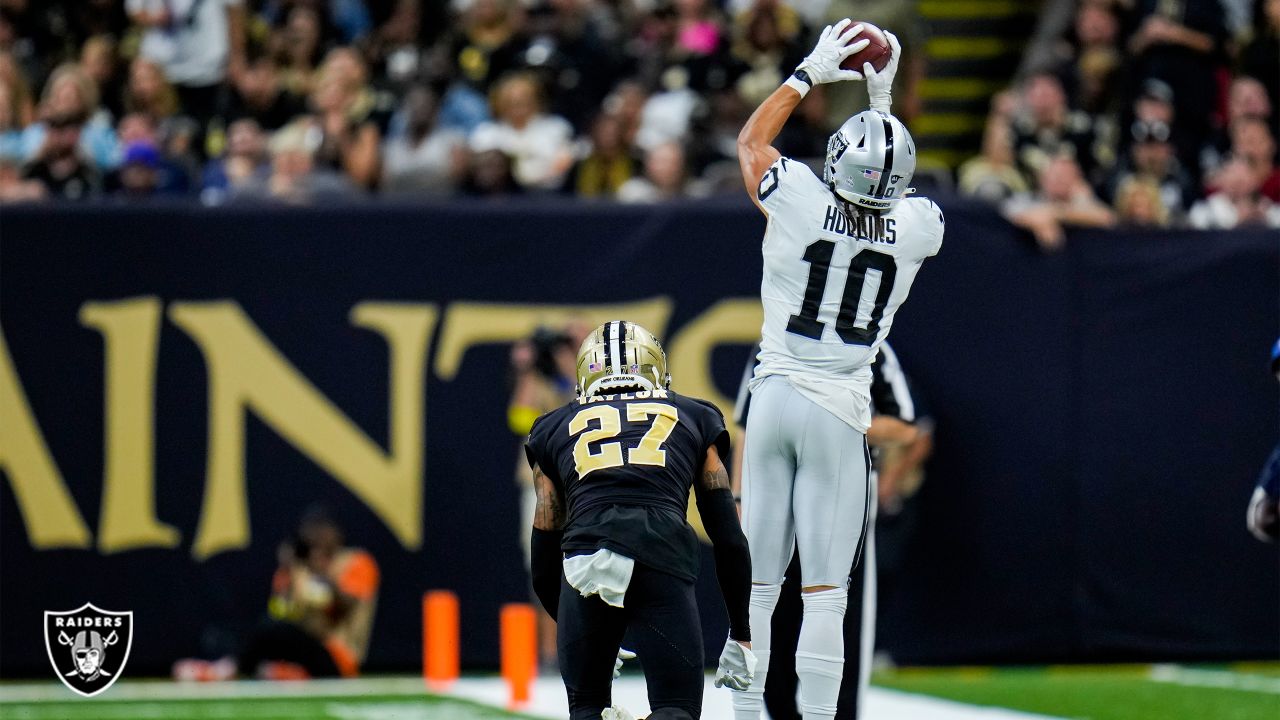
x=546, y=558
x=755, y=143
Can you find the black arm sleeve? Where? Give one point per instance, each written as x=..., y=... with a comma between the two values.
x=547, y=563
x=733, y=557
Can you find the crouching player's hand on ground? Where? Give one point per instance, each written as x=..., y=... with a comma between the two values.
x=737, y=666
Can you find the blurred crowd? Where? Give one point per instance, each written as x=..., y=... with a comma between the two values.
x=294, y=100
x=1141, y=113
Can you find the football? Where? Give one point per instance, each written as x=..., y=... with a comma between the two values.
x=877, y=53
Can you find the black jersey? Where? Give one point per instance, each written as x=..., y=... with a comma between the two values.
x=624, y=465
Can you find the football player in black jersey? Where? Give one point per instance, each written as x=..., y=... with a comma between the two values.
x=611, y=550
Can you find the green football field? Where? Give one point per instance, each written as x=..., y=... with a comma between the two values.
x=1238, y=692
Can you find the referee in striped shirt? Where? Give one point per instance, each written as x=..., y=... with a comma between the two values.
x=893, y=425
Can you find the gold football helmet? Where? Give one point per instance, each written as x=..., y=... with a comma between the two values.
x=620, y=355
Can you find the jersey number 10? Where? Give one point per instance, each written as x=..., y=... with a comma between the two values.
x=818, y=255
x=608, y=455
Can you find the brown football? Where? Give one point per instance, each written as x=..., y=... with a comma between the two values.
x=877, y=52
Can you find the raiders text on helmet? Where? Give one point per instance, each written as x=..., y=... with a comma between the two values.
x=870, y=160
x=618, y=355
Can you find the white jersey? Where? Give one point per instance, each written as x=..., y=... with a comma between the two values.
x=830, y=290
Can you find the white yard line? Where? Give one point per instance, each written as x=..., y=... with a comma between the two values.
x=549, y=701
x=1224, y=679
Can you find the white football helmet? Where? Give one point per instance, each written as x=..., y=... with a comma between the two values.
x=870, y=160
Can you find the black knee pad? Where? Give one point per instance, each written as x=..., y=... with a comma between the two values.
x=669, y=714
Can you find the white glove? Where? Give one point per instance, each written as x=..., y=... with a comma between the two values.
x=1263, y=521
x=616, y=713
x=823, y=64
x=737, y=666
x=623, y=655
x=880, y=84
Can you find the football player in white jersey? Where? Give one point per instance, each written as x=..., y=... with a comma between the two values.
x=840, y=253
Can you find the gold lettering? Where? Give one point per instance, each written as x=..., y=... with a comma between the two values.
x=247, y=373
x=468, y=323
x=131, y=331
x=46, y=506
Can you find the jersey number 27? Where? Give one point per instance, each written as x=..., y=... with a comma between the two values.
x=818, y=255
x=609, y=419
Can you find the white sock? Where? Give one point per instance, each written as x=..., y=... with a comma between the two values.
x=820, y=652
x=749, y=705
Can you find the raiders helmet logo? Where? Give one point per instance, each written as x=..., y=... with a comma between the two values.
x=88, y=646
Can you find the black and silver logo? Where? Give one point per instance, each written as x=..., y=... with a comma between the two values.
x=88, y=646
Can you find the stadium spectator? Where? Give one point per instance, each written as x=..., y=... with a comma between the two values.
x=295, y=177
x=139, y=173
x=1237, y=202
x=245, y=162
x=99, y=60
x=1246, y=99
x=489, y=174
x=1251, y=142
x=72, y=93
x=1258, y=59
x=537, y=143
x=1139, y=201
x=297, y=49
x=260, y=95
x=425, y=157
x=60, y=164
x=348, y=138
x=13, y=187
x=574, y=44
x=14, y=81
x=148, y=91
x=1152, y=158
x=11, y=122
x=1181, y=44
x=1045, y=127
x=197, y=43
x=1063, y=198
x=1090, y=60
x=766, y=44
x=993, y=176
x=488, y=44
x=173, y=176
x=666, y=177
x=609, y=164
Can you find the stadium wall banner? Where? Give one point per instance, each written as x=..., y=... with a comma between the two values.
x=179, y=385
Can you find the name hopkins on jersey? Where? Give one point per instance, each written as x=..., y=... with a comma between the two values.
x=870, y=227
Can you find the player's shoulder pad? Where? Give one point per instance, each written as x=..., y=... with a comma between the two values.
x=709, y=420
x=785, y=178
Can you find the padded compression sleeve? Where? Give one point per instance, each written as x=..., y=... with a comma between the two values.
x=733, y=557
x=547, y=563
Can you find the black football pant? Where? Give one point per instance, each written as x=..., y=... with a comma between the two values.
x=661, y=614
x=782, y=684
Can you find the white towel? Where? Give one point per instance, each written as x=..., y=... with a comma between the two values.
x=603, y=572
